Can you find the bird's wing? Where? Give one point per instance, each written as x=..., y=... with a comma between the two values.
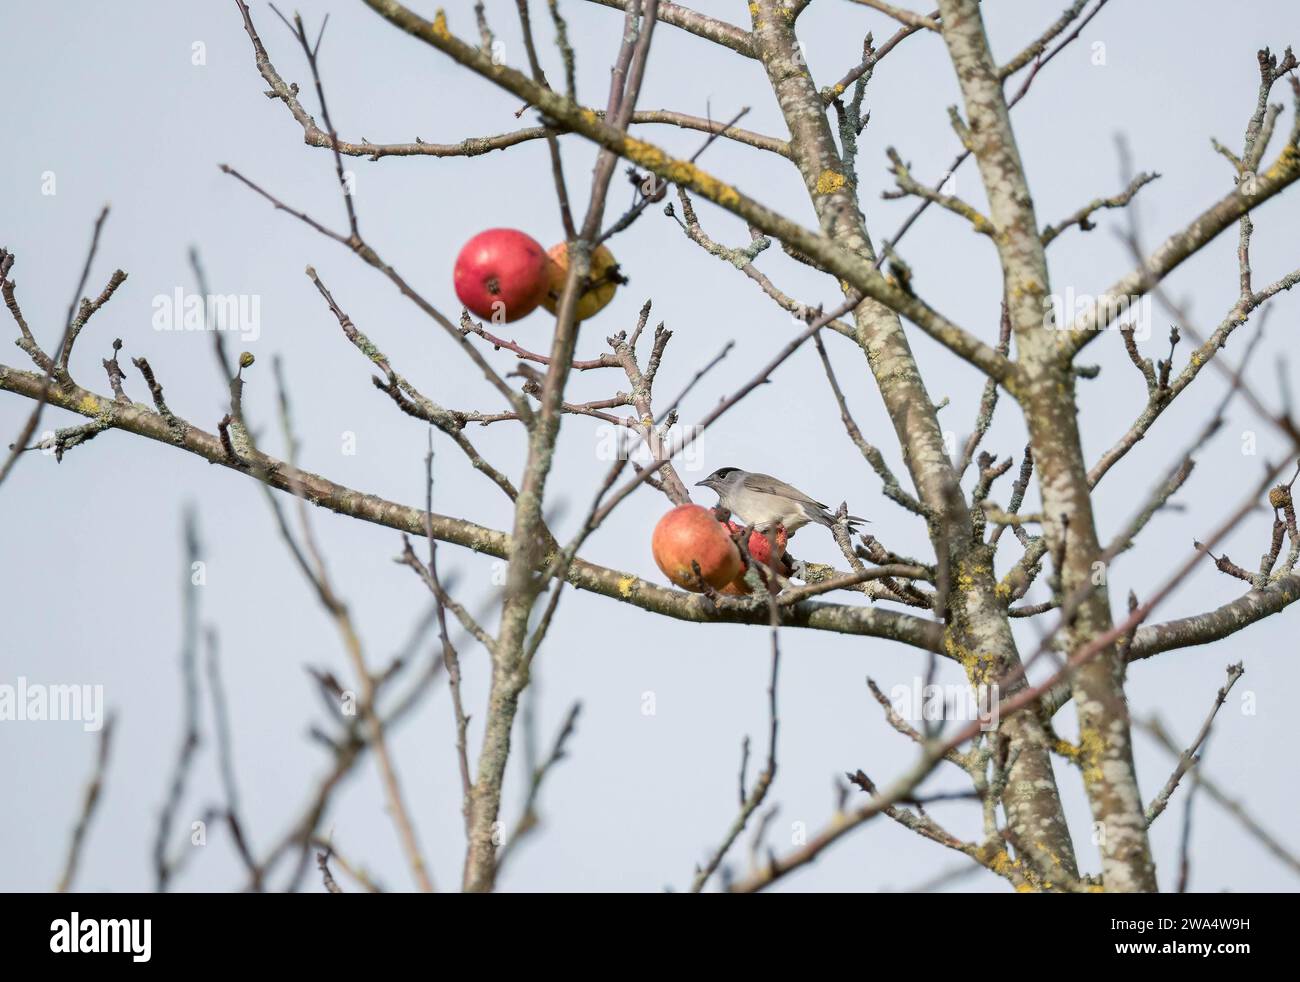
x=766, y=484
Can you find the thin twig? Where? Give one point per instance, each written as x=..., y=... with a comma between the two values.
x=89, y=804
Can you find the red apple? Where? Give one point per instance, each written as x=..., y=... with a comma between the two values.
x=691, y=533
x=760, y=550
x=502, y=274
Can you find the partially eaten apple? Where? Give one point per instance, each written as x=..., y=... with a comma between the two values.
x=760, y=550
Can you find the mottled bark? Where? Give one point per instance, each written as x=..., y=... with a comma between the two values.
x=1045, y=390
x=1215, y=625
x=978, y=633
x=701, y=25
x=510, y=665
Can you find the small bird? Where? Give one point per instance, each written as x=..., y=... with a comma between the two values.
x=765, y=502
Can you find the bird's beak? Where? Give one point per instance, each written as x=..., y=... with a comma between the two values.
x=702, y=484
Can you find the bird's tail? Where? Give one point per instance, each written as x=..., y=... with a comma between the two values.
x=828, y=519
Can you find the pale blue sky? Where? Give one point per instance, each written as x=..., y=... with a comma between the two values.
x=107, y=99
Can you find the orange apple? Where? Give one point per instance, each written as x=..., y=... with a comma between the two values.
x=602, y=281
x=737, y=587
x=690, y=533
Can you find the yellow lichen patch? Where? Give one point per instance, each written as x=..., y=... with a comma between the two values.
x=1286, y=161
x=1066, y=749
x=829, y=181
x=625, y=585
x=1001, y=863
x=966, y=576
x=1092, y=746
x=1044, y=850
x=976, y=669
x=88, y=405
x=680, y=172
x=440, y=28
x=1005, y=866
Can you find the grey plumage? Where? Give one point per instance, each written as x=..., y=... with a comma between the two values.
x=765, y=501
